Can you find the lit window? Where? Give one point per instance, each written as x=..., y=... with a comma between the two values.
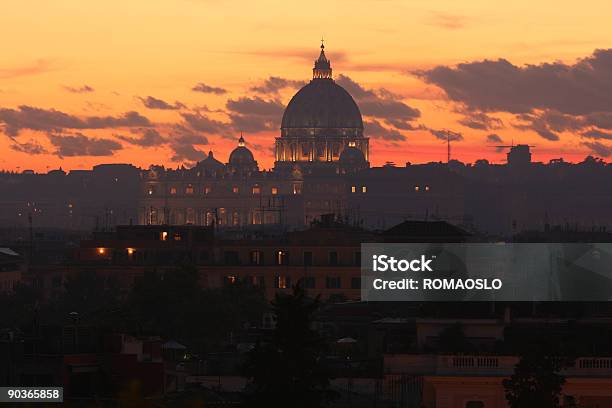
x=150, y=191
x=101, y=251
x=416, y=188
x=231, y=279
x=189, y=190
x=173, y=190
x=297, y=189
x=281, y=257
x=177, y=236
x=256, y=190
x=364, y=189
x=353, y=189
x=426, y=188
x=235, y=190
x=256, y=257
x=282, y=282
x=274, y=191
x=207, y=190
x=163, y=236
x=131, y=251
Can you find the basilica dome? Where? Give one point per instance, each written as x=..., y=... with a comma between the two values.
x=322, y=104
x=241, y=155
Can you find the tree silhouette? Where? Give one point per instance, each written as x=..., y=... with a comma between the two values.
x=536, y=381
x=288, y=370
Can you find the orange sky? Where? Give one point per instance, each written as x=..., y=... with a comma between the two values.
x=102, y=58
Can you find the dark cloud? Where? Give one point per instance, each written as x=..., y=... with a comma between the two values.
x=480, y=120
x=80, y=145
x=493, y=138
x=578, y=89
x=29, y=117
x=146, y=138
x=155, y=103
x=202, y=123
x=30, y=147
x=596, y=134
x=274, y=84
x=445, y=134
x=380, y=104
x=598, y=148
x=254, y=114
x=202, y=87
x=79, y=89
x=376, y=130
x=183, y=142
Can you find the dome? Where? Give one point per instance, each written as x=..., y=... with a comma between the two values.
x=322, y=104
x=241, y=154
x=352, y=155
x=210, y=163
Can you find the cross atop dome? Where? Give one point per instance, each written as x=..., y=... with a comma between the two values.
x=322, y=66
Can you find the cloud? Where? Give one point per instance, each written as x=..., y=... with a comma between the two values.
x=380, y=104
x=274, y=84
x=493, y=138
x=80, y=145
x=598, y=148
x=254, y=114
x=183, y=143
x=202, y=123
x=578, y=89
x=78, y=89
x=445, y=134
x=155, y=103
x=37, y=67
x=479, y=120
x=147, y=138
x=30, y=147
x=202, y=87
x=375, y=130
x=29, y=117
x=447, y=21
x=596, y=134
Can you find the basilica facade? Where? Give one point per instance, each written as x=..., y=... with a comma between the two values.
x=321, y=144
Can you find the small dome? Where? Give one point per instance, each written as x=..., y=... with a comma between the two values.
x=241, y=155
x=352, y=155
x=210, y=163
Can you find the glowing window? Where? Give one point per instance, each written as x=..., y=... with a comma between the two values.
x=364, y=189
x=189, y=190
x=256, y=189
x=416, y=188
x=297, y=189
x=101, y=251
x=207, y=190
x=163, y=236
x=274, y=191
x=235, y=190
x=282, y=282
x=173, y=190
x=282, y=257
x=353, y=189
x=130, y=251
x=426, y=188
x=177, y=236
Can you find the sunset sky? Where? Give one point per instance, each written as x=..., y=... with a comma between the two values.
x=165, y=81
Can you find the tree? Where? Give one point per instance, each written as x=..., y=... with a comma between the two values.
x=536, y=381
x=288, y=370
